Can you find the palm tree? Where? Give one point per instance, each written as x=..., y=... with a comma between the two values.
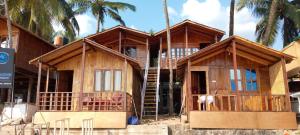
x=40, y=16
x=165, y=6
x=271, y=14
x=231, y=20
x=9, y=30
x=101, y=8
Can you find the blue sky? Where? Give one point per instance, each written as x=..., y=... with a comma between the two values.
x=149, y=15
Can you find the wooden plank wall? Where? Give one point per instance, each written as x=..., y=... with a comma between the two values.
x=277, y=79
x=219, y=69
x=97, y=60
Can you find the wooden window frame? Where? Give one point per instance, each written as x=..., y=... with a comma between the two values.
x=112, y=79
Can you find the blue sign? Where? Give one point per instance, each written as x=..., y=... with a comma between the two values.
x=6, y=67
x=4, y=57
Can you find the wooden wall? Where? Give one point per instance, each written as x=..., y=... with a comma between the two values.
x=277, y=79
x=178, y=39
x=27, y=47
x=293, y=68
x=218, y=69
x=99, y=59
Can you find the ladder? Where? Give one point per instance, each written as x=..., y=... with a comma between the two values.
x=150, y=95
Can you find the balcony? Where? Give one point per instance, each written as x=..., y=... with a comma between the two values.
x=248, y=102
x=96, y=101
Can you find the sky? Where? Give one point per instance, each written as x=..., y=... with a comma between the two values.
x=149, y=15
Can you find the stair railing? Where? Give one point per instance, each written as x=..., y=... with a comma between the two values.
x=145, y=81
x=157, y=81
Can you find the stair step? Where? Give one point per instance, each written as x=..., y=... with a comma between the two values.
x=149, y=107
x=149, y=103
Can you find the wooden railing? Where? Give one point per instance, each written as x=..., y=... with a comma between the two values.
x=97, y=101
x=247, y=102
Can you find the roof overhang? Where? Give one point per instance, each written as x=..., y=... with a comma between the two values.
x=73, y=49
x=245, y=48
x=195, y=26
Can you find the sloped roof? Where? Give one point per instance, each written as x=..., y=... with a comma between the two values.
x=248, y=46
x=29, y=32
x=196, y=25
x=74, y=49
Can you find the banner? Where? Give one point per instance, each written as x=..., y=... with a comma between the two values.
x=6, y=67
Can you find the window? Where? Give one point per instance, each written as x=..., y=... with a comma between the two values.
x=232, y=82
x=117, y=80
x=131, y=51
x=251, y=83
x=105, y=78
x=98, y=80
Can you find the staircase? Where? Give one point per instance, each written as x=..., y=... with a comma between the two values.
x=150, y=94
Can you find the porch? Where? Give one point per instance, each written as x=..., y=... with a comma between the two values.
x=96, y=101
x=246, y=111
x=107, y=109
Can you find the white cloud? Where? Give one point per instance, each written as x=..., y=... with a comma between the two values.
x=87, y=24
x=172, y=11
x=133, y=27
x=212, y=13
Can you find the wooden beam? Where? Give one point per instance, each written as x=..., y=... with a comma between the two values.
x=186, y=40
x=188, y=91
x=208, y=56
x=137, y=41
x=286, y=86
x=160, y=49
x=216, y=38
x=120, y=41
x=29, y=89
x=251, y=57
x=38, y=87
x=82, y=74
x=125, y=85
x=258, y=53
x=47, y=80
x=234, y=59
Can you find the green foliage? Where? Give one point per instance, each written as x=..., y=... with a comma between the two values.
x=287, y=17
x=39, y=16
x=102, y=8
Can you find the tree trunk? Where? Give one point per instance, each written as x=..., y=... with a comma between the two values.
x=231, y=21
x=171, y=110
x=9, y=30
x=98, y=24
x=270, y=23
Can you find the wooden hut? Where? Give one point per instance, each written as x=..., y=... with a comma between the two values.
x=237, y=83
x=27, y=46
x=92, y=82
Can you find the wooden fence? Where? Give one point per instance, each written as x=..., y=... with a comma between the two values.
x=96, y=101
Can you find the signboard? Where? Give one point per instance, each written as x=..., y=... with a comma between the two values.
x=6, y=67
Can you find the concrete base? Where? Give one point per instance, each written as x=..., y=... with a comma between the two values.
x=243, y=120
x=100, y=119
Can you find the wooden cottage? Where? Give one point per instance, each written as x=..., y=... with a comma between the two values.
x=237, y=83
x=293, y=68
x=120, y=72
x=97, y=77
x=27, y=46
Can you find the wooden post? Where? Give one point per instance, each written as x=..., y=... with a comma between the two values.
x=235, y=73
x=186, y=41
x=30, y=83
x=125, y=86
x=38, y=87
x=286, y=86
x=82, y=75
x=47, y=80
x=216, y=38
x=189, y=88
x=120, y=41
